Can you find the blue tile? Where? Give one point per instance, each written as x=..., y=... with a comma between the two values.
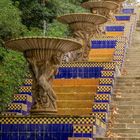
x=32, y=136
x=80, y=70
x=86, y=75
x=74, y=69
x=22, y=127
x=14, y=128
x=5, y=136
x=86, y=69
x=22, y=136
x=40, y=127
x=87, y=135
x=74, y=75
x=69, y=75
x=40, y=136
x=77, y=134
x=14, y=136
x=47, y=136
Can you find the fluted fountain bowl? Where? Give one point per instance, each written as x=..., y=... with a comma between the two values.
x=42, y=47
x=26, y=44
x=111, y=5
x=82, y=21
x=118, y=1
x=44, y=56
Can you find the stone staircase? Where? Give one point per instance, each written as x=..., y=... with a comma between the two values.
x=127, y=124
x=74, y=98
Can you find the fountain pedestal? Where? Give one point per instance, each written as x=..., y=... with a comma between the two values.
x=44, y=56
x=83, y=27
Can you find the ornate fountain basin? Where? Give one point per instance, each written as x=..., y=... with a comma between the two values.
x=83, y=27
x=44, y=56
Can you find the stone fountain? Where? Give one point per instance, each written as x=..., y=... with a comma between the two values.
x=44, y=56
x=83, y=27
x=119, y=2
x=101, y=7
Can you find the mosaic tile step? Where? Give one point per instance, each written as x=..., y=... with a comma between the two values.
x=79, y=81
x=69, y=88
x=112, y=34
x=100, y=107
x=104, y=65
x=104, y=89
x=17, y=106
x=105, y=98
x=22, y=97
x=106, y=81
x=41, y=127
x=11, y=114
x=101, y=115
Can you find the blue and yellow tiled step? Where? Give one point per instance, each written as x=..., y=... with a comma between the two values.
x=130, y=10
x=59, y=127
x=101, y=116
x=18, y=107
x=105, y=98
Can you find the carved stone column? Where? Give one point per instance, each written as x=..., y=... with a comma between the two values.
x=83, y=27
x=43, y=66
x=44, y=56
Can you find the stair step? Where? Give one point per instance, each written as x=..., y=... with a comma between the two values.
x=11, y=114
x=128, y=102
x=128, y=81
x=76, y=89
x=127, y=125
x=128, y=91
x=75, y=103
x=128, y=120
x=130, y=135
x=74, y=111
x=128, y=94
x=127, y=99
x=128, y=88
x=126, y=107
x=132, y=116
x=123, y=138
x=127, y=84
x=133, y=111
x=127, y=131
x=76, y=96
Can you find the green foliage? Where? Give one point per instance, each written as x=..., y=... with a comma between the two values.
x=12, y=64
x=57, y=29
x=10, y=25
x=12, y=71
x=26, y=18
x=34, y=12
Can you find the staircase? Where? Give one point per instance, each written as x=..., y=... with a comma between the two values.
x=127, y=124
x=75, y=96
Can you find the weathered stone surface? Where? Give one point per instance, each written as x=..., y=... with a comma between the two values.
x=127, y=123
